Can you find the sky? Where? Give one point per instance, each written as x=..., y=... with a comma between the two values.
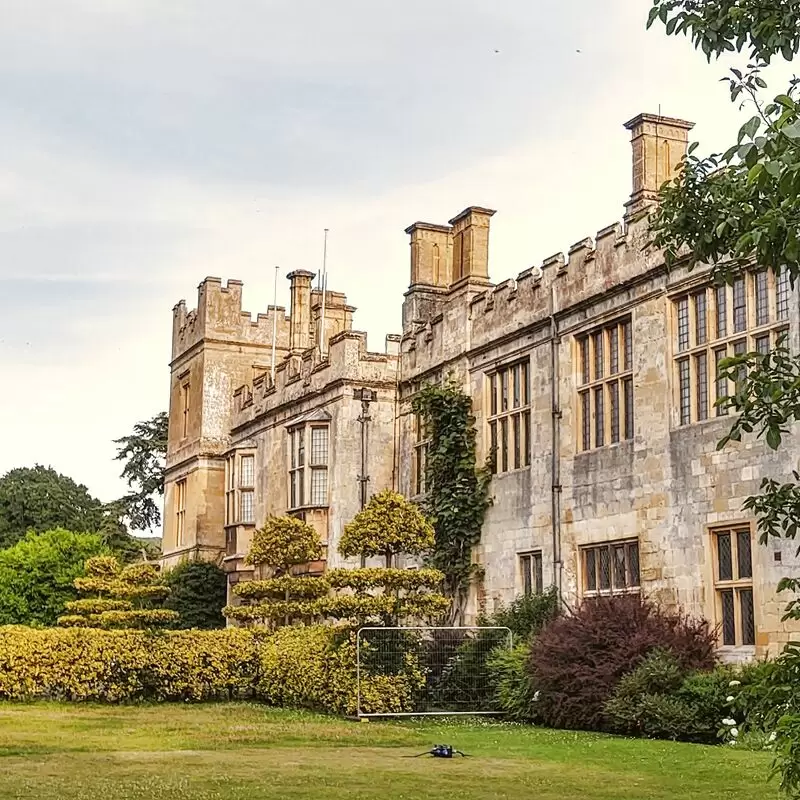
x=147, y=144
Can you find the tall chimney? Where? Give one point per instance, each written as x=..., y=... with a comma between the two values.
x=471, y=243
x=300, y=312
x=659, y=144
x=431, y=254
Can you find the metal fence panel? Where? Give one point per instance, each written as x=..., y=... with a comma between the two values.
x=452, y=661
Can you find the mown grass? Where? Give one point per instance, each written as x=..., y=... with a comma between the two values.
x=246, y=752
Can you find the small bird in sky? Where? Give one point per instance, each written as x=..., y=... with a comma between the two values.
x=577, y=51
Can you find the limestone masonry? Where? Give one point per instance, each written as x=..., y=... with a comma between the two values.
x=593, y=380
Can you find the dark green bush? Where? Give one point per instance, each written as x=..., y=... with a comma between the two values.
x=512, y=690
x=199, y=593
x=526, y=615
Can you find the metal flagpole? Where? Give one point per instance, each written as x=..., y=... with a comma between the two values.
x=324, y=282
x=274, y=325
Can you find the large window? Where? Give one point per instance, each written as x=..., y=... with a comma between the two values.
x=308, y=474
x=605, y=379
x=733, y=584
x=180, y=513
x=510, y=417
x=530, y=567
x=611, y=568
x=716, y=322
x=240, y=489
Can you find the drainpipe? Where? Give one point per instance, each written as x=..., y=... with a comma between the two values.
x=555, y=376
x=366, y=396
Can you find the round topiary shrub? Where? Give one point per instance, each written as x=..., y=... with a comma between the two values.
x=578, y=660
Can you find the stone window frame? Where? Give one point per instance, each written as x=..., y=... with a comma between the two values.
x=604, y=378
x=592, y=574
x=736, y=322
x=531, y=564
x=513, y=420
x=735, y=609
x=180, y=512
x=240, y=488
x=307, y=471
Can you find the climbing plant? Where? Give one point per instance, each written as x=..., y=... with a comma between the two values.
x=456, y=489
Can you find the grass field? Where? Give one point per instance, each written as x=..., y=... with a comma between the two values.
x=246, y=752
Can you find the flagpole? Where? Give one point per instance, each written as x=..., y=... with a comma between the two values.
x=274, y=324
x=324, y=282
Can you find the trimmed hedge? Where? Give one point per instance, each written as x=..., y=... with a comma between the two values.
x=309, y=667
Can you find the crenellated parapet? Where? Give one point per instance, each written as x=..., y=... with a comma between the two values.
x=348, y=360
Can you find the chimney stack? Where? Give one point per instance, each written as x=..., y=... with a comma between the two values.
x=659, y=143
x=300, y=312
x=471, y=243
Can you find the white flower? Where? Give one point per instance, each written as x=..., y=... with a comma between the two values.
x=728, y=721
x=773, y=736
x=735, y=683
x=729, y=698
x=732, y=742
x=734, y=731
x=535, y=696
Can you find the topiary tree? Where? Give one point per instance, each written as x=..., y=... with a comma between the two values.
x=387, y=526
x=117, y=597
x=198, y=593
x=578, y=660
x=282, y=543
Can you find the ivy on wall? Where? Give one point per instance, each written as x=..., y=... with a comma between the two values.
x=457, y=490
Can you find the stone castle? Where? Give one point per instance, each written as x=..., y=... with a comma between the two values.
x=593, y=380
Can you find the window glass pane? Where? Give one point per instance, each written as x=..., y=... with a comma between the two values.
x=586, y=418
x=782, y=293
x=504, y=444
x=599, y=418
x=724, y=557
x=301, y=447
x=526, y=389
x=493, y=394
x=721, y=382
x=319, y=487
x=747, y=616
x=526, y=437
x=613, y=347
x=246, y=510
x=762, y=344
x=604, y=556
x=744, y=555
x=628, y=387
x=591, y=570
x=685, y=391
x=683, y=324
x=584, y=360
x=517, y=388
x=619, y=567
x=740, y=348
x=248, y=471
x=613, y=400
x=701, y=398
x=525, y=567
x=728, y=619
x=538, y=579
x=700, y=318
x=721, y=294
x=493, y=446
x=762, y=298
x=293, y=448
x=739, y=305
x=504, y=390
x=628, y=335
x=319, y=446
x=517, y=443
x=633, y=564
x=597, y=341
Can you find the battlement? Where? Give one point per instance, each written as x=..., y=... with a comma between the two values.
x=348, y=360
x=219, y=316
x=436, y=326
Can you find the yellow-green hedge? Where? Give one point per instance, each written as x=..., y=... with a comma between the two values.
x=310, y=667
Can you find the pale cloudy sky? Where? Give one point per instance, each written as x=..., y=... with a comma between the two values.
x=145, y=144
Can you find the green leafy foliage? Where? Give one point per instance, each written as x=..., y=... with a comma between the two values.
x=388, y=525
x=361, y=580
x=198, y=593
x=37, y=574
x=144, y=452
x=284, y=542
x=526, y=615
x=457, y=491
x=138, y=589
x=510, y=681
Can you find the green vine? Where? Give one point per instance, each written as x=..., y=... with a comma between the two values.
x=456, y=489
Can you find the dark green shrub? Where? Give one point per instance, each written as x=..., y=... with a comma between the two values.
x=199, y=593
x=512, y=689
x=526, y=615
x=578, y=660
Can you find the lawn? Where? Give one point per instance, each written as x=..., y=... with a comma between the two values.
x=246, y=752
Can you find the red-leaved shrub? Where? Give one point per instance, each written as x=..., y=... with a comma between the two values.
x=578, y=659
